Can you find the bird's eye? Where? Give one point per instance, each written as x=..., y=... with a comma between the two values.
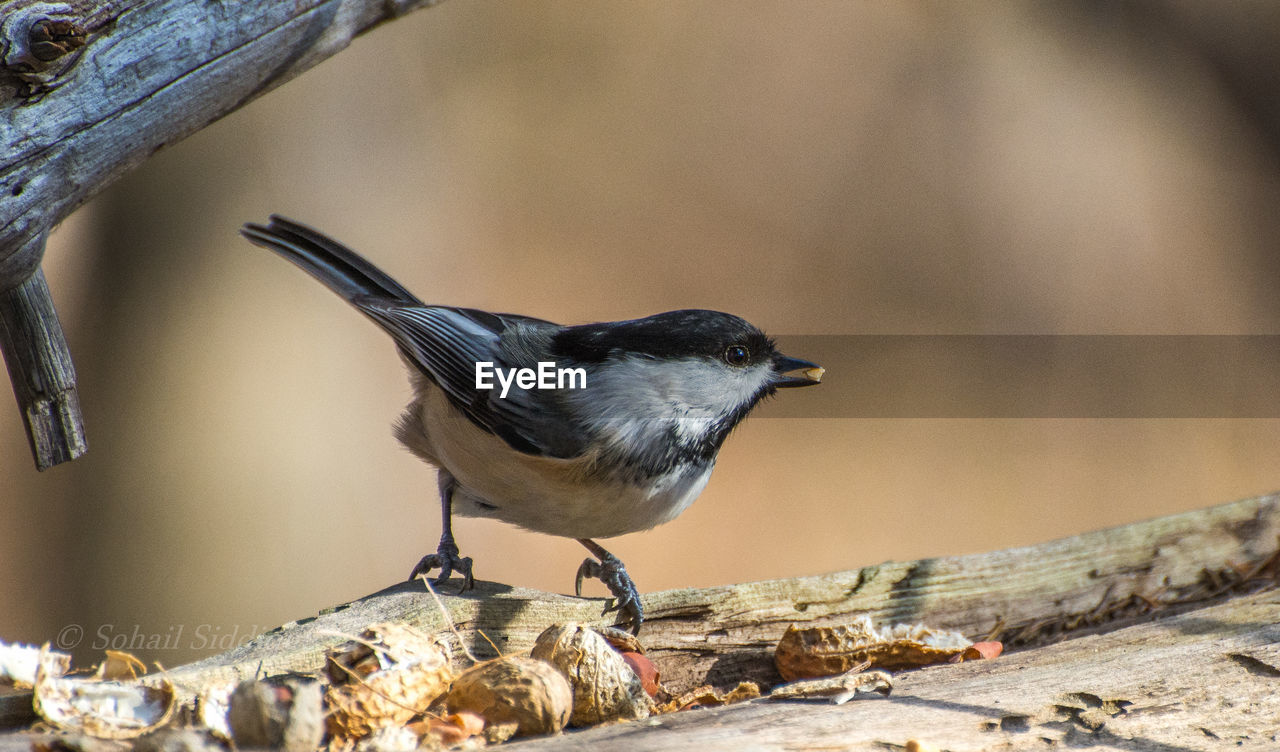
x=737, y=355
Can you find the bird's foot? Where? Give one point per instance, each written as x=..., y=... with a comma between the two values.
x=610, y=571
x=447, y=560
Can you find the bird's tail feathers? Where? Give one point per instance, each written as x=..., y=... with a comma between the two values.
x=340, y=269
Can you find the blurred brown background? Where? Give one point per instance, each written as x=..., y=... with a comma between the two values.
x=818, y=168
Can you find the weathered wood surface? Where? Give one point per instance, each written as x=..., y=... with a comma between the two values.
x=90, y=89
x=1207, y=679
x=1185, y=653
x=725, y=634
x=134, y=75
x=40, y=370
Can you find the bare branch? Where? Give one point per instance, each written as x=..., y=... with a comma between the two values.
x=44, y=380
x=90, y=89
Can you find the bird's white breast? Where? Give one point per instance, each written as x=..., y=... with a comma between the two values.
x=570, y=498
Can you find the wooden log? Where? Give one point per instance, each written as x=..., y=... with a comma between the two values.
x=1174, y=623
x=1201, y=680
x=721, y=635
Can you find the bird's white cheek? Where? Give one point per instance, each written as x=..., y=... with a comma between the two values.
x=635, y=401
x=711, y=392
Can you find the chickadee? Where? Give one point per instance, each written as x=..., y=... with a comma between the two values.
x=627, y=444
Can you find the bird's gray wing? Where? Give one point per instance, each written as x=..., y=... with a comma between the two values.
x=445, y=343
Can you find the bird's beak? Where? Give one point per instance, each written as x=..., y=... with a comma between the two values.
x=789, y=372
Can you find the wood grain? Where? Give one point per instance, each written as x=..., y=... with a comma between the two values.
x=722, y=635
x=1201, y=680
x=89, y=90
x=40, y=370
x=1196, y=667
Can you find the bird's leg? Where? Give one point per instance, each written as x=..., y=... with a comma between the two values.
x=610, y=571
x=446, y=555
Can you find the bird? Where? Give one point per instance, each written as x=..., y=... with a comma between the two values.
x=584, y=431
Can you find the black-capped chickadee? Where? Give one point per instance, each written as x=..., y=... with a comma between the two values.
x=585, y=432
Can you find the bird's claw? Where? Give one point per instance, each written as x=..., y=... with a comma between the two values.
x=610, y=571
x=447, y=560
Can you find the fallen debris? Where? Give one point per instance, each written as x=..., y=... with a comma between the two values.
x=837, y=689
x=278, y=713
x=527, y=692
x=386, y=677
x=813, y=652
x=606, y=687
x=707, y=697
x=20, y=663
x=102, y=709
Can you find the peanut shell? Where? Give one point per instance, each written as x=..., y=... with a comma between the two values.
x=605, y=688
x=530, y=693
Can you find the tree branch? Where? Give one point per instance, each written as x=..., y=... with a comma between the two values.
x=40, y=369
x=91, y=89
